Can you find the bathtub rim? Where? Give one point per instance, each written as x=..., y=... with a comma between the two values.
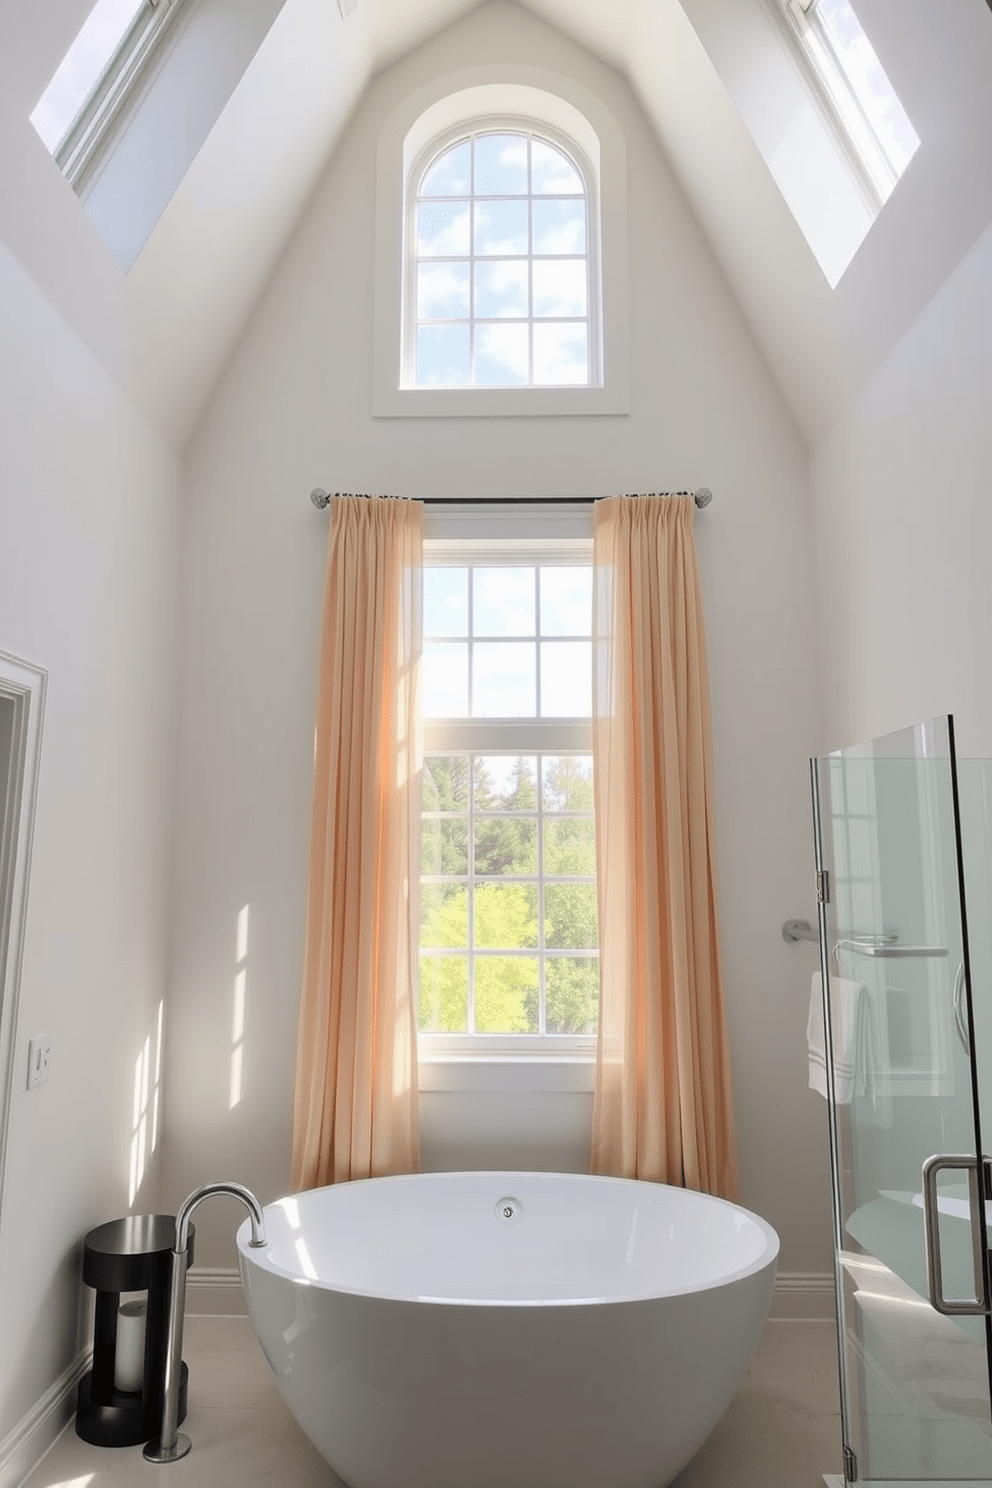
x=263, y=1259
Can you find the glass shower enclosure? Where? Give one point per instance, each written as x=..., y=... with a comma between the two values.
x=903, y=833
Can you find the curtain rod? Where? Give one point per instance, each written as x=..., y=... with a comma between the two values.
x=702, y=497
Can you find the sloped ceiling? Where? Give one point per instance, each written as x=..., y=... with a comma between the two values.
x=167, y=330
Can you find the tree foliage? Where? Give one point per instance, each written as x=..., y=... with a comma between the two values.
x=505, y=914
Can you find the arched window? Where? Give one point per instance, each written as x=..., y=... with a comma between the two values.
x=501, y=251
x=501, y=256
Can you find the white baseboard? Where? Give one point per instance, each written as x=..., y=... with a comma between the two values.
x=804, y=1295
x=216, y=1291
x=208, y=1291
x=23, y=1447
x=213, y=1291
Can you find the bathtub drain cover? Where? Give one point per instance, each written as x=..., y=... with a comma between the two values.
x=508, y=1210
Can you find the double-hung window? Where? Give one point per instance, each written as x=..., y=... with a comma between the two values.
x=508, y=959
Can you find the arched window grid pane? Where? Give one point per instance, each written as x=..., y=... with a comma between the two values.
x=490, y=341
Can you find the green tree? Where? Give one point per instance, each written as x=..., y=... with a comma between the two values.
x=506, y=844
x=505, y=914
x=445, y=782
x=443, y=994
x=506, y=989
x=572, y=990
x=568, y=782
x=444, y=840
x=569, y=846
x=570, y=922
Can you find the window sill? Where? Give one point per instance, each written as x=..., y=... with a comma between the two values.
x=524, y=1074
x=499, y=402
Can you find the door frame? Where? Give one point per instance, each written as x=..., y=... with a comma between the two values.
x=25, y=686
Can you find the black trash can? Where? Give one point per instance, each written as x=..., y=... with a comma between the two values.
x=128, y=1255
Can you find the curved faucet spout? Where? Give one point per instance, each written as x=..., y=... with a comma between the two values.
x=171, y=1444
x=236, y=1191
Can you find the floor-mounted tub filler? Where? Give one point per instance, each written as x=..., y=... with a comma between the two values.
x=508, y=1330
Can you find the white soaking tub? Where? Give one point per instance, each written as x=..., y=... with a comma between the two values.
x=508, y=1330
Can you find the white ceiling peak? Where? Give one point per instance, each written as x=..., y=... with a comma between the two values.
x=167, y=330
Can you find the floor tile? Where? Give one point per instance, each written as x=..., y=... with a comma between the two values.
x=782, y=1429
x=230, y=1368
x=300, y=1465
x=795, y=1364
x=758, y=1444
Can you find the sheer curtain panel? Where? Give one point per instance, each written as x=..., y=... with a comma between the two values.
x=663, y=1107
x=356, y=1077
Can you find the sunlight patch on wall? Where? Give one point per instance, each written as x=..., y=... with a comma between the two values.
x=238, y=1014
x=145, y=1106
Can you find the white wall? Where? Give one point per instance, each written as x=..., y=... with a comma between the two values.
x=825, y=344
x=294, y=411
x=904, y=529
x=88, y=516
x=202, y=63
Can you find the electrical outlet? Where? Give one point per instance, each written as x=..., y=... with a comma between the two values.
x=39, y=1060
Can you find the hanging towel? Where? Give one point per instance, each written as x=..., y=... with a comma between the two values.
x=851, y=1033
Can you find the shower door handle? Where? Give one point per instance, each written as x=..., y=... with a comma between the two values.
x=976, y=1169
x=960, y=1019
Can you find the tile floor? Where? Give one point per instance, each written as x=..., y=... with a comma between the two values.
x=782, y=1429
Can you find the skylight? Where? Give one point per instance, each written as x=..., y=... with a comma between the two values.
x=83, y=66
x=858, y=90
x=134, y=98
x=96, y=78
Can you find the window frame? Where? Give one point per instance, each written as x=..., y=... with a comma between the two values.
x=470, y=129
x=860, y=145
x=94, y=131
x=546, y=98
x=511, y=737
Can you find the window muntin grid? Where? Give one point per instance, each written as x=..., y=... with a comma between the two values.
x=507, y=641
x=508, y=933
x=501, y=289
x=509, y=955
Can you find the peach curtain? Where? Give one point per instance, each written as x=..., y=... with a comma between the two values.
x=356, y=1086
x=663, y=1107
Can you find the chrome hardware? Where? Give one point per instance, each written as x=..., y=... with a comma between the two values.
x=887, y=946
x=823, y=886
x=171, y=1444
x=794, y=930
x=931, y=1232
x=959, y=1017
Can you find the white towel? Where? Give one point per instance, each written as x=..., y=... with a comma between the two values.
x=850, y=1027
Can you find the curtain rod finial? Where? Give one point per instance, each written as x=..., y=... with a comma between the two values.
x=319, y=498
x=702, y=497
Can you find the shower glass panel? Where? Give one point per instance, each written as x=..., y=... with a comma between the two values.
x=903, y=1086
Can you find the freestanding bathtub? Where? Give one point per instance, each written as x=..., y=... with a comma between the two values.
x=508, y=1330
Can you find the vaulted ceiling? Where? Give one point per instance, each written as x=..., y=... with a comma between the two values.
x=166, y=329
